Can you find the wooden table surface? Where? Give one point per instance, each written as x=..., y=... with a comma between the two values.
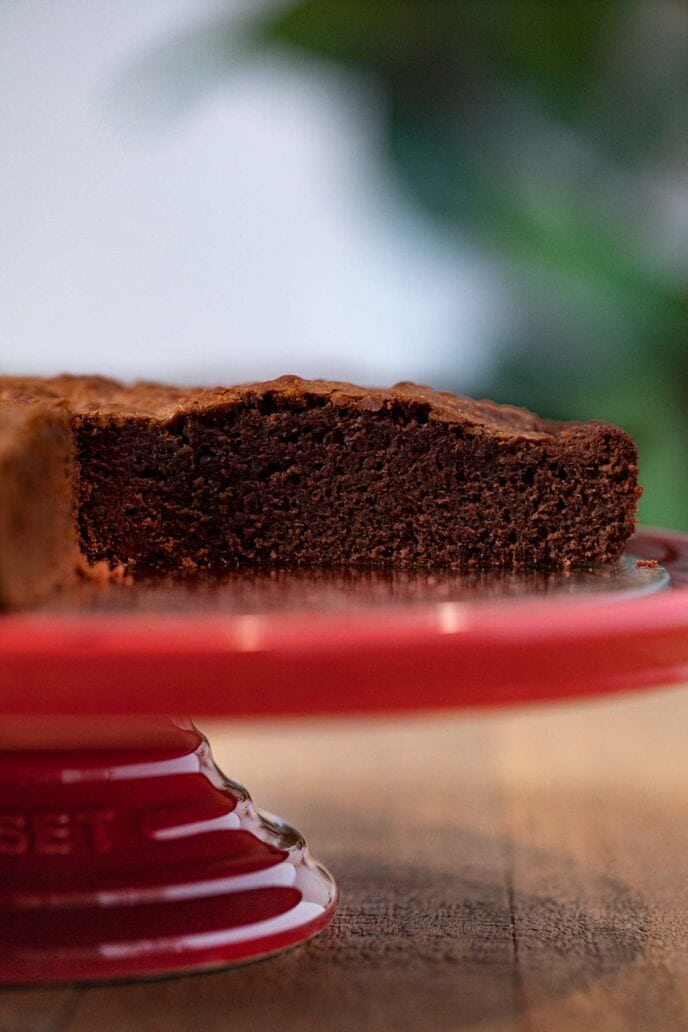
x=526, y=870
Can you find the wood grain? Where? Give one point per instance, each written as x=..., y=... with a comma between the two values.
x=523, y=871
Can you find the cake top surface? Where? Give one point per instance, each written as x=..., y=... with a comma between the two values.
x=20, y=422
x=96, y=395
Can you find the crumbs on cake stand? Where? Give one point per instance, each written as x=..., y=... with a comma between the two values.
x=102, y=573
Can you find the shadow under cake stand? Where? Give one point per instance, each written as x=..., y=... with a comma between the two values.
x=126, y=853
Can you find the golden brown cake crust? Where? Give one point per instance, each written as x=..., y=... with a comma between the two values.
x=161, y=401
x=38, y=539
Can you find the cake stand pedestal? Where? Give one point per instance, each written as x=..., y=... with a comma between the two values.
x=129, y=861
x=125, y=853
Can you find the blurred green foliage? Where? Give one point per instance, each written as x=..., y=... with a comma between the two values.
x=554, y=133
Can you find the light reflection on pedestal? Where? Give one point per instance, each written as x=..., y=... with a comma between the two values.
x=126, y=853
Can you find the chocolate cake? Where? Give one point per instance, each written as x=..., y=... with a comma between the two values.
x=38, y=541
x=295, y=472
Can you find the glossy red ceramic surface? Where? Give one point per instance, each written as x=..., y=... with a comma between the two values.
x=358, y=659
x=123, y=862
x=123, y=850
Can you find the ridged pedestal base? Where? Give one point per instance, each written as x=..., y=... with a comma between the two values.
x=137, y=862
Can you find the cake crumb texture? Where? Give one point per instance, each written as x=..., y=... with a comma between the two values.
x=293, y=472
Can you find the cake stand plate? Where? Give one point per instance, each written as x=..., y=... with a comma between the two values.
x=125, y=853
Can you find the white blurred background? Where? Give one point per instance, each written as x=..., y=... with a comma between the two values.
x=189, y=220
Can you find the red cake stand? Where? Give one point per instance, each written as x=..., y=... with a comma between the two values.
x=125, y=853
